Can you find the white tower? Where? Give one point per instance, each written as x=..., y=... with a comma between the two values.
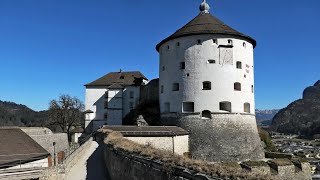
x=207, y=87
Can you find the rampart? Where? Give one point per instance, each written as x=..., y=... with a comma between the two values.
x=124, y=164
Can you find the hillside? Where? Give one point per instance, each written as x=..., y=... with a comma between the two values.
x=301, y=116
x=265, y=115
x=12, y=114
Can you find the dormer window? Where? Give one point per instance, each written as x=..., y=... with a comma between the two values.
x=214, y=41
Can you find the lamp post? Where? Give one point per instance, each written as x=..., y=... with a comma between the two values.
x=54, y=153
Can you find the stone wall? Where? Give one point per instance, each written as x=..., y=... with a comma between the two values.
x=150, y=92
x=224, y=137
x=123, y=165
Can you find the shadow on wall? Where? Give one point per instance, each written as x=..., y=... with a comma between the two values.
x=96, y=168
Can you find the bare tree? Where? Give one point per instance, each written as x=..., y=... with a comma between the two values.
x=66, y=112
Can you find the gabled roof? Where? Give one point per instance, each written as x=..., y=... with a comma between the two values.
x=118, y=78
x=205, y=23
x=17, y=147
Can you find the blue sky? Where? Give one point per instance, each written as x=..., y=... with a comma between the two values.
x=53, y=47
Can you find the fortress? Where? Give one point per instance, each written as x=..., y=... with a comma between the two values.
x=206, y=86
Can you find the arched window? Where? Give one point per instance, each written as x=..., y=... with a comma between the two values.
x=206, y=114
x=188, y=107
x=225, y=106
x=206, y=85
x=239, y=65
x=246, y=107
x=237, y=86
x=229, y=42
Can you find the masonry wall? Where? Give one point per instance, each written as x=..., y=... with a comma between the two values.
x=224, y=137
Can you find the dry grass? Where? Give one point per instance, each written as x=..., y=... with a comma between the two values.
x=116, y=140
x=281, y=162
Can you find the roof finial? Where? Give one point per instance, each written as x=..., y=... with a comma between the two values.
x=204, y=7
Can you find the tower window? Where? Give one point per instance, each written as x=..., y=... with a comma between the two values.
x=163, y=68
x=225, y=106
x=105, y=116
x=188, y=74
x=178, y=44
x=229, y=42
x=161, y=89
x=237, y=86
x=182, y=65
x=206, y=85
x=252, y=88
x=168, y=47
x=244, y=44
x=175, y=87
x=239, y=65
x=188, y=107
x=131, y=94
x=106, y=105
x=214, y=41
x=211, y=61
x=206, y=114
x=246, y=107
x=199, y=42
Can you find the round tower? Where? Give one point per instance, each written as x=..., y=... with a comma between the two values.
x=207, y=87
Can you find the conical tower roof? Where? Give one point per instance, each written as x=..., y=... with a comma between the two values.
x=205, y=23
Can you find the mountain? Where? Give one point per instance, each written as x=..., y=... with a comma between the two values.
x=12, y=114
x=265, y=115
x=301, y=116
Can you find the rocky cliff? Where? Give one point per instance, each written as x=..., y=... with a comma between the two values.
x=301, y=116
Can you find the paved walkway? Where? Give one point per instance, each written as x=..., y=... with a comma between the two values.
x=90, y=166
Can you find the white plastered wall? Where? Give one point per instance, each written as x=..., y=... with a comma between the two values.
x=197, y=69
x=180, y=143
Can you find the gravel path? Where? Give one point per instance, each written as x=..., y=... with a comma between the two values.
x=90, y=166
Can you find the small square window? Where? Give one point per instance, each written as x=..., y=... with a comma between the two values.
x=175, y=87
x=211, y=61
x=105, y=116
x=178, y=44
x=206, y=85
x=188, y=74
x=182, y=65
x=229, y=42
